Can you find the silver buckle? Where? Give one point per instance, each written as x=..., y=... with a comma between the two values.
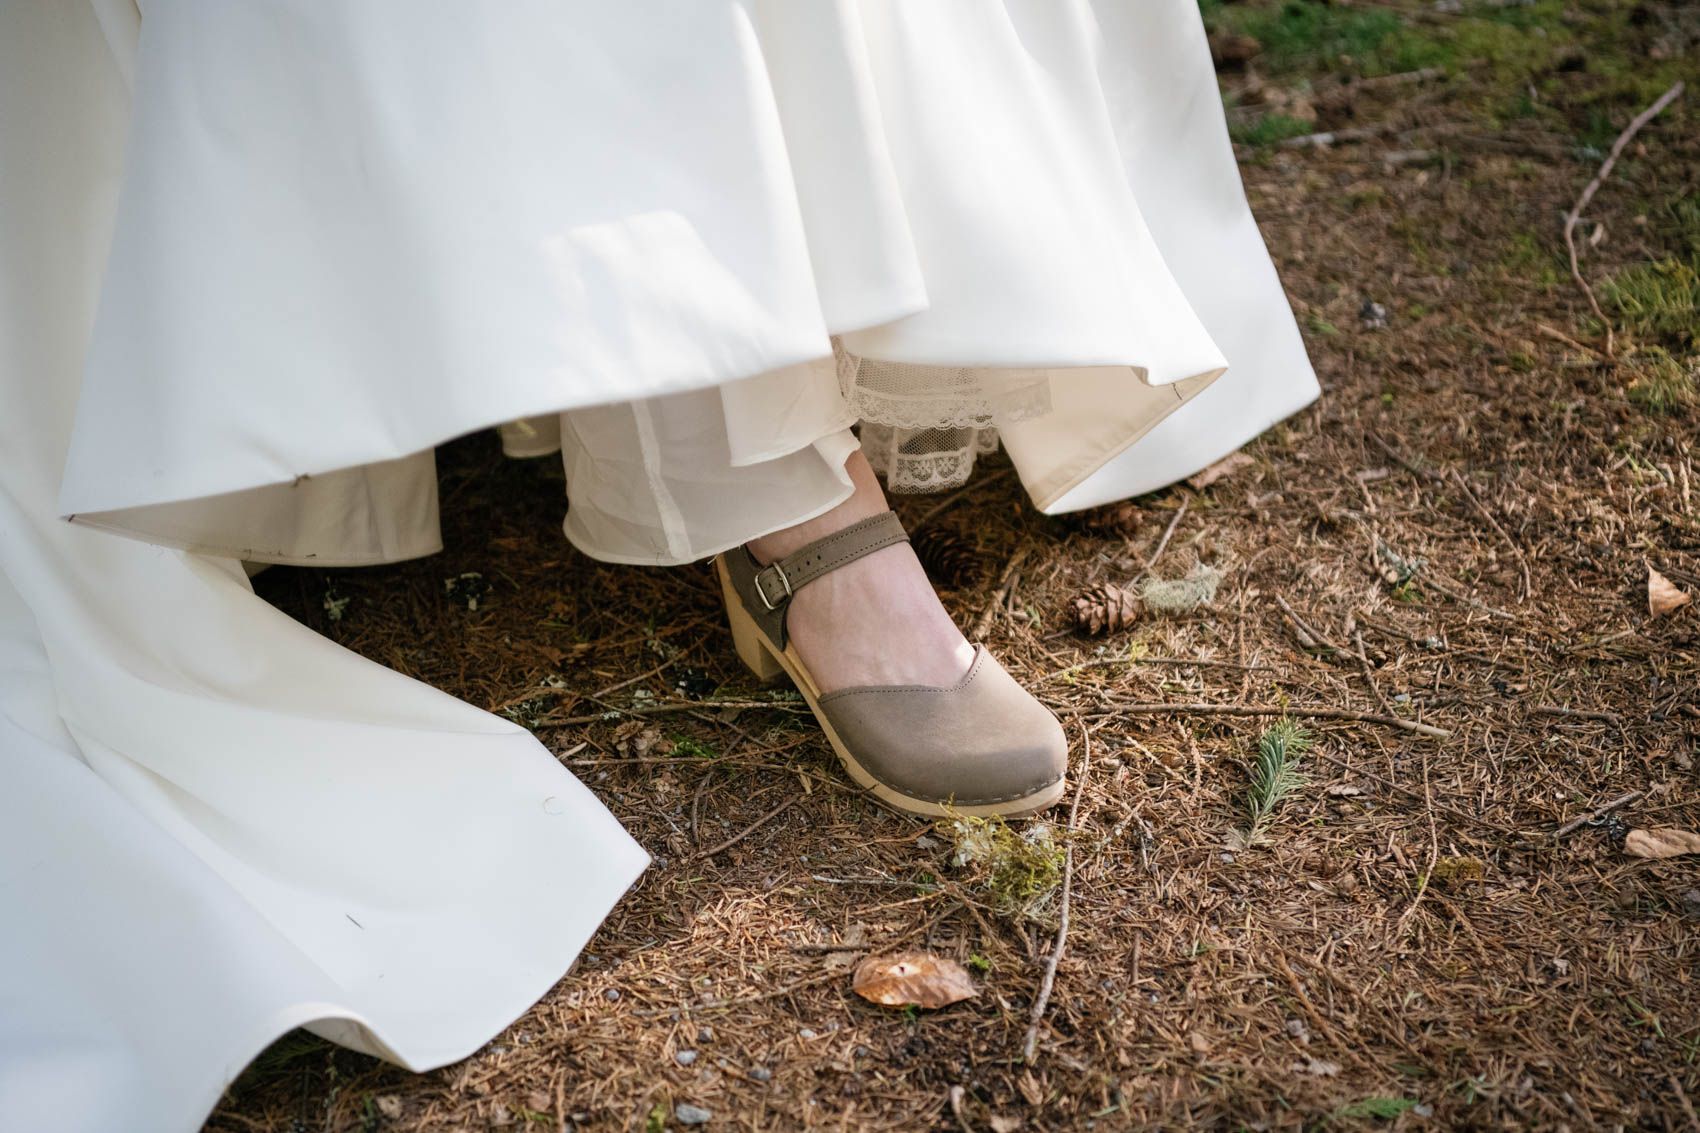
x=762, y=590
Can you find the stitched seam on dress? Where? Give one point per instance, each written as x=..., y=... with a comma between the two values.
x=672, y=520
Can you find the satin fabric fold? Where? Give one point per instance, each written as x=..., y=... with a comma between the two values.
x=216, y=825
x=494, y=213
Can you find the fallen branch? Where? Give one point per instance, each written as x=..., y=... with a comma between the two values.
x=999, y=596
x=1303, y=713
x=1554, y=333
x=1575, y=214
x=1168, y=533
x=1328, y=138
x=1687, y=1107
x=748, y=830
x=1044, y=998
x=1317, y=639
x=1577, y=823
x=665, y=709
x=1611, y=718
x=1522, y=562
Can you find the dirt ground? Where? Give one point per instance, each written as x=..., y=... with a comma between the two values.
x=1458, y=535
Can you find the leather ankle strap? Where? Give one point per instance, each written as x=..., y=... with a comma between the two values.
x=767, y=591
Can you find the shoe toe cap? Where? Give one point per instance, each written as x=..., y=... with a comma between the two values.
x=984, y=742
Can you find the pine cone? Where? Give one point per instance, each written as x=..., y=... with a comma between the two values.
x=1118, y=520
x=1106, y=609
x=949, y=559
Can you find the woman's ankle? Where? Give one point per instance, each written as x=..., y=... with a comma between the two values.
x=868, y=499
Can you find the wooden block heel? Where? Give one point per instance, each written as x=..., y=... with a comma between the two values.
x=746, y=636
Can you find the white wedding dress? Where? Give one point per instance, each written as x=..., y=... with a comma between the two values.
x=258, y=257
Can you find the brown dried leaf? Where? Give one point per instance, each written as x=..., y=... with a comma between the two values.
x=1662, y=842
x=918, y=979
x=1663, y=595
x=1227, y=466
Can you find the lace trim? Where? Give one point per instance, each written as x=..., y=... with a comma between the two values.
x=922, y=427
x=930, y=397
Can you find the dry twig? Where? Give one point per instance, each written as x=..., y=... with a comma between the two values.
x=1577, y=823
x=1593, y=187
x=1168, y=533
x=999, y=596
x=1044, y=997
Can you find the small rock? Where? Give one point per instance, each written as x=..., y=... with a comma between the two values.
x=705, y=1034
x=689, y=1114
x=1691, y=903
x=684, y=1057
x=1372, y=315
x=611, y=994
x=1297, y=1029
x=761, y=1073
x=807, y=1033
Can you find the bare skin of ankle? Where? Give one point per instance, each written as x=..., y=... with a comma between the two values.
x=875, y=621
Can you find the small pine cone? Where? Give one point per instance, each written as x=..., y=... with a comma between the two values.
x=1106, y=609
x=949, y=559
x=1123, y=519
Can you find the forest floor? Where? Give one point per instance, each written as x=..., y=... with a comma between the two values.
x=1459, y=534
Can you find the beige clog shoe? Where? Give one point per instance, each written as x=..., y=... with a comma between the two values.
x=982, y=746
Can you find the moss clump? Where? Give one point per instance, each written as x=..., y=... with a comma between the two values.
x=1021, y=871
x=1267, y=129
x=1456, y=873
x=1661, y=384
x=1659, y=301
x=1314, y=35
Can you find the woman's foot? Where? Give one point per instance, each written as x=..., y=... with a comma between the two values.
x=875, y=621
x=916, y=715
